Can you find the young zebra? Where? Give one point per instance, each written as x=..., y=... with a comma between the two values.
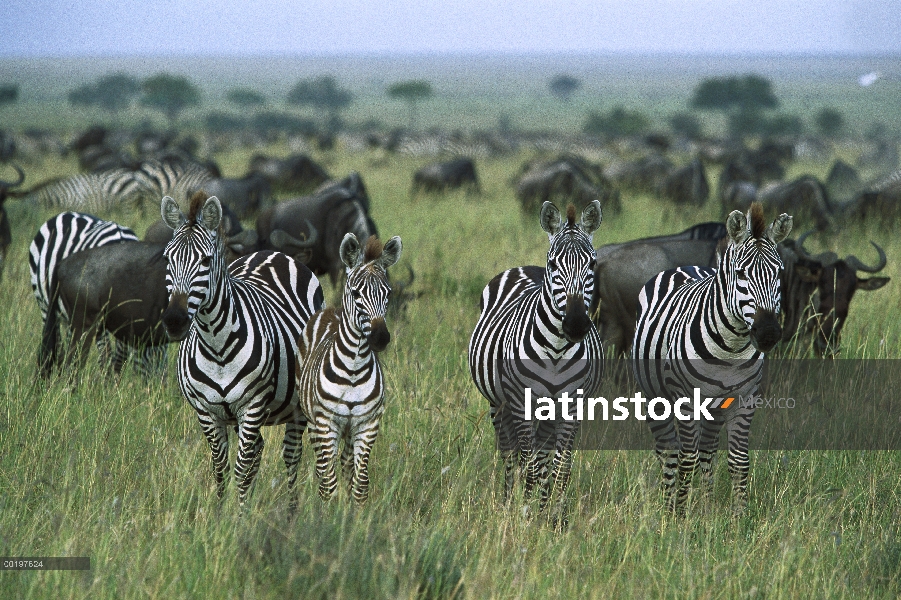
x=240, y=325
x=339, y=379
x=534, y=331
x=708, y=329
x=64, y=235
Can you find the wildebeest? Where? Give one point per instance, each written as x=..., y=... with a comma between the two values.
x=565, y=180
x=843, y=180
x=879, y=203
x=238, y=241
x=118, y=289
x=245, y=196
x=444, y=176
x=687, y=185
x=804, y=197
x=297, y=173
x=311, y=228
x=646, y=174
x=6, y=237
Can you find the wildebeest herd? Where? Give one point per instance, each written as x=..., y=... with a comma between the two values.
x=259, y=346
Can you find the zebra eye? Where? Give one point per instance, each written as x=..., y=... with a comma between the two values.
x=205, y=261
x=355, y=294
x=740, y=273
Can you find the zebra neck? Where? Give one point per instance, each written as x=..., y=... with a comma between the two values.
x=733, y=334
x=351, y=348
x=220, y=318
x=547, y=324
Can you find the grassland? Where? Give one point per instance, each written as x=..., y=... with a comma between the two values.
x=120, y=472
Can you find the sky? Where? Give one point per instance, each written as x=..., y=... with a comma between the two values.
x=37, y=28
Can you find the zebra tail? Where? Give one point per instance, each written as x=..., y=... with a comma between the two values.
x=50, y=338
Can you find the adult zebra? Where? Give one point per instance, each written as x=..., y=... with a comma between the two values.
x=534, y=331
x=708, y=329
x=64, y=235
x=240, y=325
x=339, y=378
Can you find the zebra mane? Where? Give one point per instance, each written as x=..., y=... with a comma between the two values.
x=197, y=201
x=373, y=249
x=570, y=214
x=758, y=222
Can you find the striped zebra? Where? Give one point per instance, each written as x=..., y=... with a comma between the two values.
x=64, y=235
x=534, y=331
x=240, y=325
x=109, y=190
x=708, y=329
x=339, y=379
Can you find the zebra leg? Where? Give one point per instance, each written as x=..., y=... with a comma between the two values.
x=710, y=436
x=504, y=429
x=250, y=452
x=688, y=459
x=324, y=440
x=362, y=446
x=347, y=465
x=561, y=470
x=153, y=362
x=217, y=437
x=292, y=447
x=738, y=429
x=666, y=446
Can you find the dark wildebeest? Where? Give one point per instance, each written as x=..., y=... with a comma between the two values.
x=804, y=197
x=564, y=180
x=297, y=173
x=687, y=185
x=444, y=176
x=6, y=236
x=644, y=174
x=843, y=180
x=311, y=228
x=245, y=196
x=880, y=203
x=238, y=241
x=118, y=289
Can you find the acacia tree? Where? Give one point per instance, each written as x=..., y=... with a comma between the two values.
x=112, y=92
x=322, y=94
x=170, y=94
x=411, y=92
x=564, y=86
x=245, y=98
x=9, y=93
x=741, y=99
x=829, y=121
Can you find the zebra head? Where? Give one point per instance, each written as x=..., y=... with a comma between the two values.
x=752, y=267
x=570, y=265
x=194, y=260
x=366, y=292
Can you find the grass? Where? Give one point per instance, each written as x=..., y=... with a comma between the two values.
x=120, y=472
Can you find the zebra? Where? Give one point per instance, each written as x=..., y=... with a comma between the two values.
x=709, y=329
x=239, y=325
x=533, y=327
x=64, y=235
x=339, y=378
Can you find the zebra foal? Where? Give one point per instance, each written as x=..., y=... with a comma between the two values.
x=339, y=378
x=709, y=329
x=534, y=331
x=239, y=326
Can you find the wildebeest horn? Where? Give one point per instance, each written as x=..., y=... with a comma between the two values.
x=12, y=184
x=854, y=262
x=280, y=237
x=800, y=242
x=824, y=258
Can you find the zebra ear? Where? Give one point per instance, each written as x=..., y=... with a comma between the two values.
x=211, y=213
x=350, y=252
x=550, y=218
x=780, y=228
x=391, y=252
x=171, y=214
x=591, y=217
x=737, y=226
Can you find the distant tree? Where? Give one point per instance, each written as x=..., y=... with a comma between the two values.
x=751, y=92
x=411, y=92
x=112, y=92
x=170, y=94
x=322, y=94
x=564, y=86
x=245, y=98
x=618, y=122
x=829, y=121
x=9, y=93
x=687, y=124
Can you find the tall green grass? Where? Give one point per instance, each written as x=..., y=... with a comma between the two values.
x=120, y=472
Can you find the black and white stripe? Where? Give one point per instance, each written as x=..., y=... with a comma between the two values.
x=64, y=235
x=240, y=325
x=534, y=331
x=708, y=329
x=339, y=378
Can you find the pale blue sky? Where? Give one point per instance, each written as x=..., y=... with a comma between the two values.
x=267, y=27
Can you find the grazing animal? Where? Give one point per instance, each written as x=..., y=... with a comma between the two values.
x=113, y=289
x=60, y=237
x=879, y=203
x=534, y=324
x=339, y=378
x=569, y=179
x=709, y=329
x=6, y=237
x=444, y=176
x=239, y=325
x=805, y=197
x=246, y=196
x=297, y=173
x=687, y=185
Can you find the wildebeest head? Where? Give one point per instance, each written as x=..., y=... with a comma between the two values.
x=195, y=260
x=5, y=231
x=837, y=284
x=366, y=291
x=752, y=268
x=569, y=276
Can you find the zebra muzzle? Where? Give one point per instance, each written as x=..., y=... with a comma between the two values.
x=576, y=322
x=766, y=331
x=379, y=336
x=175, y=318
